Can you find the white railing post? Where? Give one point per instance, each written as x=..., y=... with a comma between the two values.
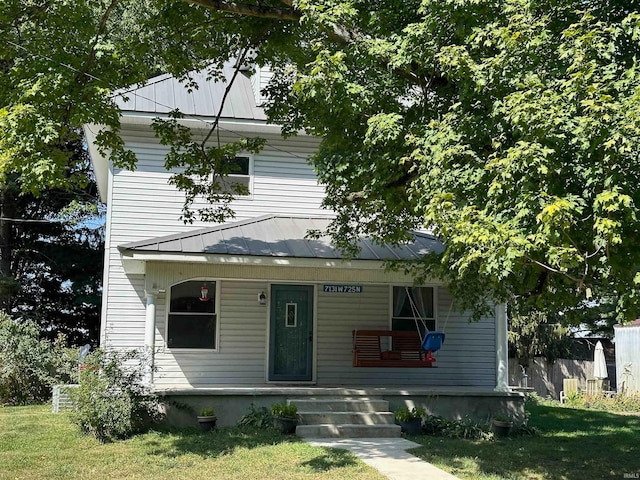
x=150, y=332
x=502, y=349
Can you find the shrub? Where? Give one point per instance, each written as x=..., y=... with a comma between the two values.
x=112, y=401
x=434, y=424
x=30, y=366
x=524, y=429
x=463, y=428
x=283, y=410
x=403, y=414
x=599, y=401
x=258, y=417
x=467, y=428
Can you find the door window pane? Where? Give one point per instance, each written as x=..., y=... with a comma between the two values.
x=291, y=314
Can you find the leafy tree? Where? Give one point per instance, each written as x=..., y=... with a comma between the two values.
x=509, y=128
x=30, y=366
x=57, y=251
x=535, y=333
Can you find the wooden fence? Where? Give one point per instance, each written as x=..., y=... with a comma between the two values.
x=546, y=379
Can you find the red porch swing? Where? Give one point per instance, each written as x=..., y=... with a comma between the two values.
x=408, y=349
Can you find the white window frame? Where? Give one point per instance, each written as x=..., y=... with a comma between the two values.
x=435, y=304
x=216, y=313
x=230, y=177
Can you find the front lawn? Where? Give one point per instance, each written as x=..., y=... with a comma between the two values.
x=573, y=444
x=36, y=444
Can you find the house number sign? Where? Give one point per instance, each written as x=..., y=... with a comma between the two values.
x=343, y=289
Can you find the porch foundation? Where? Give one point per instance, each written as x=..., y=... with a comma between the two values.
x=231, y=403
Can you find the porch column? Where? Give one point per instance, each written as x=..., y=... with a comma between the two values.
x=502, y=349
x=150, y=332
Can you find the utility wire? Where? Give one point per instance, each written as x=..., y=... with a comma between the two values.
x=24, y=220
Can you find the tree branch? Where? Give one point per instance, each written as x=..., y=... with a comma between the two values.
x=399, y=182
x=236, y=70
x=263, y=11
x=81, y=77
x=340, y=33
x=553, y=270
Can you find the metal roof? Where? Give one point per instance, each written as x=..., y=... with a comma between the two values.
x=165, y=93
x=278, y=236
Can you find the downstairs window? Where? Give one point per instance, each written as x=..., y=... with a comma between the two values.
x=410, y=305
x=192, y=319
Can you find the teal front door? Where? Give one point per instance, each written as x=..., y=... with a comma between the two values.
x=291, y=333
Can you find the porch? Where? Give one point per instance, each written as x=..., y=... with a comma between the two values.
x=232, y=402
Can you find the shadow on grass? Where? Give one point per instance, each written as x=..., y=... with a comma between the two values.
x=572, y=445
x=174, y=443
x=332, y=458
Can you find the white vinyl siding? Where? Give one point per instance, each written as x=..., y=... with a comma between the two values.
x=260, y=80
x=467, y=357
x=241, y=354
x=142, y=205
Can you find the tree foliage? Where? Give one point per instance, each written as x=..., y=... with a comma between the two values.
x=507, y=127
x=30, y=366
x=56, y=263
x=535, y=333
x=52, y=253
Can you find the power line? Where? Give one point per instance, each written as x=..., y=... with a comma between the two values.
x=24, y=220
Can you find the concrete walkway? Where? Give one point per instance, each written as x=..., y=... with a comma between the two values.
x=388, y=456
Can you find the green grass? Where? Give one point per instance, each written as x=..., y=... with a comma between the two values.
x=36, y=444
x=573, y=444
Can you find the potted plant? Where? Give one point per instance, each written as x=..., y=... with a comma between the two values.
x=502, y=425
x=285, y=417
x=410, y=420
x=207, y=419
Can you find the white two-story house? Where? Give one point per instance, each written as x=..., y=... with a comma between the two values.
x=254, y=307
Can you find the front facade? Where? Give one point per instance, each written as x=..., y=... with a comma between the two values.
x=254, y=303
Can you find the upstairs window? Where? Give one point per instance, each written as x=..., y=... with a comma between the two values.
x=239, y=174
x=192, y=320
x=410, y=305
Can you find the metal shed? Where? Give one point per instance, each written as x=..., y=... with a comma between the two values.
x=627, y=339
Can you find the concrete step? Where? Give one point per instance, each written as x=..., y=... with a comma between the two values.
x=348, y=431
x=341, y=418
x=340, y=404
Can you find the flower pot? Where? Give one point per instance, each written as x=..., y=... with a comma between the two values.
x=285, y=424
x=413, y=426
x=207, y=422
x=501, y=428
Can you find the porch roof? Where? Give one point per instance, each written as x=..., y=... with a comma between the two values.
x=279, y=236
